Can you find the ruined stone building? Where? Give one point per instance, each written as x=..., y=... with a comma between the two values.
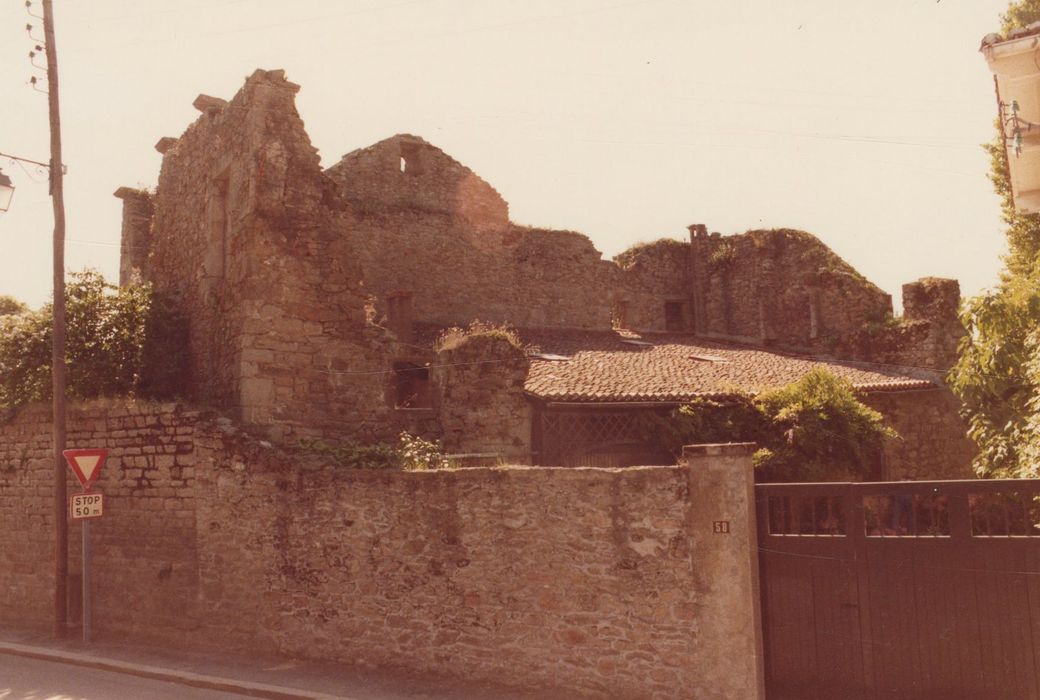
x=315, y=298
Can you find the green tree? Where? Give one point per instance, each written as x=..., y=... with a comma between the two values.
x=107, y=347
x=996, y=376
x=9, y=305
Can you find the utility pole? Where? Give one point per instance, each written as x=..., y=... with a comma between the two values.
x=61, y=539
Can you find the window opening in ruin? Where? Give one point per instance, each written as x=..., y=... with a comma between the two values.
x=619, y=314
x=673, y=316
x=404, y=165
x=412, y=386
x=215, y=259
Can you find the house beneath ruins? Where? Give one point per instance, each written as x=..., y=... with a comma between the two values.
x=315, y=299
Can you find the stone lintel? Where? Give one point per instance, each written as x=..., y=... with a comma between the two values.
x=207, y=104
x=165, y=143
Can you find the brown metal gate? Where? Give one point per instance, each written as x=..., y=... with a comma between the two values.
x=901, y=591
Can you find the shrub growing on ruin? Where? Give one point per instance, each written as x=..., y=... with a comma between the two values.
x=455, y=336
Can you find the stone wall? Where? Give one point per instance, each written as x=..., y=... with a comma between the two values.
x=779, y=286
x=926, y=336
x=654, y=275
x=583, y=582
x=933, y=442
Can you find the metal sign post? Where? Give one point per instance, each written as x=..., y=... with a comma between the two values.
x=86, y=464
x=88, y=613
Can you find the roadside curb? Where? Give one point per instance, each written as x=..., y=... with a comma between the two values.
x=195, y=680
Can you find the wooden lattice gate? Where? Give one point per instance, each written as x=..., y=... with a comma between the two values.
x=910, y=590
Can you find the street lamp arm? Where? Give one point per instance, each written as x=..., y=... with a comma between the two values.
x=64, y=168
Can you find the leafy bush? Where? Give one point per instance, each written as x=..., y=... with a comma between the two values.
x=106, y=350
x=812, y=429
x=412, y=453
x=819, y=428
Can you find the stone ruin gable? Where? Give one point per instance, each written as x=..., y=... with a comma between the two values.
x=653, y=275
x=240, y=238
x=927, y=335
x=483, y=408
x=778, y=286
x=406, y=172
x=437, y=231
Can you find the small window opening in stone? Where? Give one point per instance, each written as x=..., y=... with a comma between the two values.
x=412, y=386
x=673, y=316
x=411, y=163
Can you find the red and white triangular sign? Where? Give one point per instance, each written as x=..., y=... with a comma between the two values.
x=86, y=464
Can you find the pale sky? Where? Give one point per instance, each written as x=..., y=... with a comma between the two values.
x=859, y=122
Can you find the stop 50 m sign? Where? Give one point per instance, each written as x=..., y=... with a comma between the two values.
x=86, y=505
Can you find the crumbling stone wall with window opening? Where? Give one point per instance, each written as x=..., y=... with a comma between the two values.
x=655, y=279
x=429, y=225
x=242, y=239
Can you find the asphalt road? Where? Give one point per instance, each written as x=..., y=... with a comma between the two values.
x=33, y=679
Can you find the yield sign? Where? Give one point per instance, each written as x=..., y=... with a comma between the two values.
x=86, y=464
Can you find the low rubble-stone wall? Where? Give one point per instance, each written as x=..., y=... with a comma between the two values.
x=581, y=582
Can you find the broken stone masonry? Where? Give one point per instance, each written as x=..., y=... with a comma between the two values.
x=304, y=288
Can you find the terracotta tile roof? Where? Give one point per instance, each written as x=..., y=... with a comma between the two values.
x=609, y=366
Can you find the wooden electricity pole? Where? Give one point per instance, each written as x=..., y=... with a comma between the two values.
x=61, y=536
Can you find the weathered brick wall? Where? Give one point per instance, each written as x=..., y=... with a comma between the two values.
x=145, y=557
x=599, y=582
x=933, y=440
